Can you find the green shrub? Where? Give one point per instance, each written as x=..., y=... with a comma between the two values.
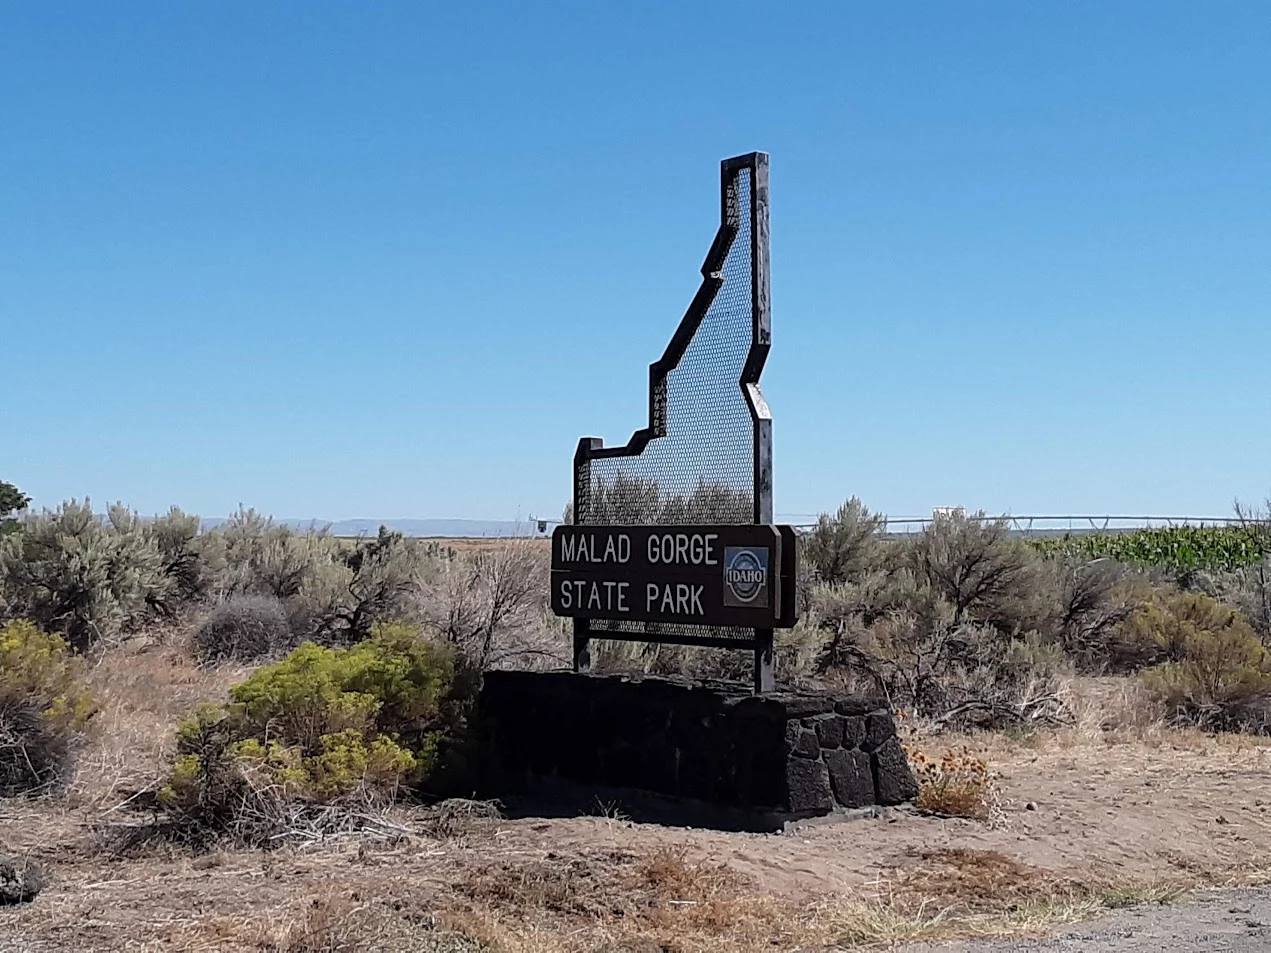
x=1247, y=589
x=44, y=708
x=1093, y=601
x=490, y=605
x=323, y=726
x=960, y=623
x=86, y=578
x=962, y=675
x=975, y=566
x=1211, y=669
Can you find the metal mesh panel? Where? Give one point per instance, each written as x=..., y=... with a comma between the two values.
x=696, y=462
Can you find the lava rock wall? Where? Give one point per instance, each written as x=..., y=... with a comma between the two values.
x=787, y=755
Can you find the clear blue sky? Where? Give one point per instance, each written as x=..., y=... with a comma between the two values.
x=393, y=259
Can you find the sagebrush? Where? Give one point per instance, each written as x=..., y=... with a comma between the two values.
x=83, y=577
x=1210, y=668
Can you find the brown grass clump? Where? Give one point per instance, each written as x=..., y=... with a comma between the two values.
x=353, y=921
x=954, y=892
x=662, y=901
x=330, y=924
x=356, y=922
x=143, y=689
x=459, y=819
x=574, y=887
x=959, y=784
x=967, y=881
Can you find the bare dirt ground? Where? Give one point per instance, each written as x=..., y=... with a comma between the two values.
x=1088, y=820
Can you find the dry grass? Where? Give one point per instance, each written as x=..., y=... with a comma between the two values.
x=957, y=784
x=333, y=923
x=664, y=900
x=1109, y=712
x=459, y=819
x=968, y=882
x=873, y=925
x=456, y=878
x=144, y=688
x=965, y=892
x=354, y=922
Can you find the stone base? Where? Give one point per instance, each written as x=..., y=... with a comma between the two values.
x=754, y=761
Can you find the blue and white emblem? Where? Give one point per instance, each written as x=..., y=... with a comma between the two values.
x=746, y=576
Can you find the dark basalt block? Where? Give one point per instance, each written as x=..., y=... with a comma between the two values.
x=853, y=730
x=802, y=742
x=781, y=755
x=808, y=783
x=894, y=782
x=879, y=726
x=852, y=777
x=829, y=730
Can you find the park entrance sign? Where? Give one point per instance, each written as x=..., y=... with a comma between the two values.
x=722, y=575
x=672, y=538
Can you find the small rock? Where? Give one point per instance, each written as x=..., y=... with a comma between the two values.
x=1221, y=820
x=20, y=880
x=1241, y=910
x=1030, y=806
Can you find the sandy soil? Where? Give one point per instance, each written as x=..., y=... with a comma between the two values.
x=1086, y=819
x=1188, y=811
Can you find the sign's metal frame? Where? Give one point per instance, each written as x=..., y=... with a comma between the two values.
x=593, y=448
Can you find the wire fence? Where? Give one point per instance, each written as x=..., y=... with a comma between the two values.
x=1051, y=525
x=1065, y=525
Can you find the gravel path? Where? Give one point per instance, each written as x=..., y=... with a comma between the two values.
x=1230, y=921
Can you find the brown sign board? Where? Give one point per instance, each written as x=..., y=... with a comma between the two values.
x=717, y=575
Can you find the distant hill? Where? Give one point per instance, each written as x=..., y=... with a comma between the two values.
x=435, y=527
x=455, y=529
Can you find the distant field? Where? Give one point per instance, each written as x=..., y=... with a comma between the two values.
x=472, y=544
